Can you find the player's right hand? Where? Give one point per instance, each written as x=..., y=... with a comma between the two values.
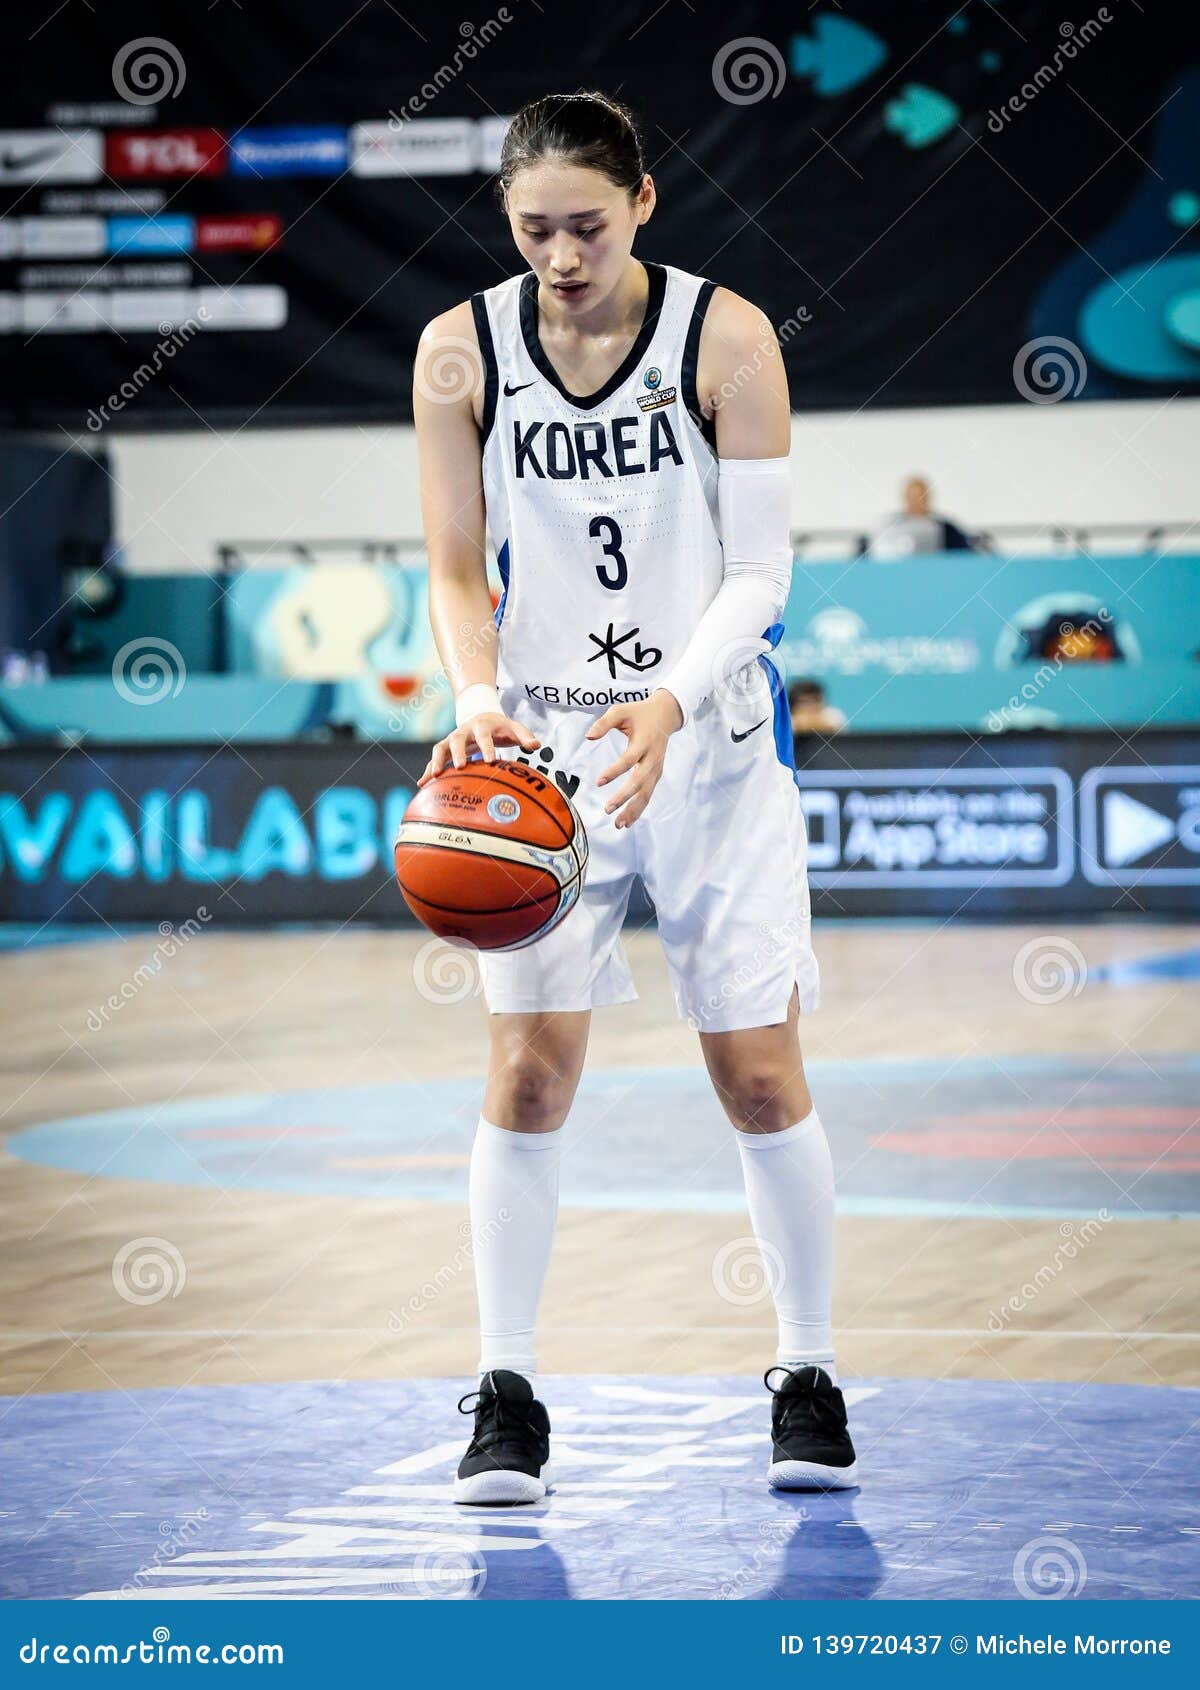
x=482, y=733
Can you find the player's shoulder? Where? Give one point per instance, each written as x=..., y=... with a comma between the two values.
x=737, y=337
x=456, y=324
x=736, y=323
x=448, y=370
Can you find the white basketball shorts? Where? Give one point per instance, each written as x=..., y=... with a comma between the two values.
x=721, y=850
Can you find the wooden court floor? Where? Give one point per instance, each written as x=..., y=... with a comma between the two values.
x=297, y=1287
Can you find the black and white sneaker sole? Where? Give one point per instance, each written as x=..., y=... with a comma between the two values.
x=811, y=1475
x=502, y=1487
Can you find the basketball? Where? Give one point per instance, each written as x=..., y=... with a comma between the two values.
x=493, y=855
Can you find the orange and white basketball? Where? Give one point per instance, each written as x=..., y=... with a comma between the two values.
x=493, y=855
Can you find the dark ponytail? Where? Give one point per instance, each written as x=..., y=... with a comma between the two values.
x=592, y=131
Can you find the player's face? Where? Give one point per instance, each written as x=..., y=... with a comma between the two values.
x=575, y=229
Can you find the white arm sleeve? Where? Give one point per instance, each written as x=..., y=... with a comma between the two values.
x=754, y=496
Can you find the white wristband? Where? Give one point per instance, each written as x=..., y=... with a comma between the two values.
x=480, y=699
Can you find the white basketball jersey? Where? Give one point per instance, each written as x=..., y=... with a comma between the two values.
x=603, y=509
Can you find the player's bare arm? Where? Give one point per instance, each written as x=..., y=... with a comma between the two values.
x=447, y=397
x=742, y=380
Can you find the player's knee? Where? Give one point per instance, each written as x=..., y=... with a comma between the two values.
x=538, y=1099
x=761, y=1097
x=530, y=1094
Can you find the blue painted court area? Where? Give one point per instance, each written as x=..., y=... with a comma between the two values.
x=1145, y=971
x=970, y=1489
x=1008, y=1136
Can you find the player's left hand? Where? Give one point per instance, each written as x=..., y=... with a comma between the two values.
x=647, y=725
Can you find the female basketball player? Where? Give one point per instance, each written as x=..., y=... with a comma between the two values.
x=624, y=436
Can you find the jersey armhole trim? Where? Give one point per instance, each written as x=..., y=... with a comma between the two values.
x=691, y=362
x=487, y=351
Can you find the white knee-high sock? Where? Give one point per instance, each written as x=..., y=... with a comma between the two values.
x=514, y=1206
x=789, y=1192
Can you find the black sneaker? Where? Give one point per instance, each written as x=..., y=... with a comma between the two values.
x=508, y=1457
x=810, y=1446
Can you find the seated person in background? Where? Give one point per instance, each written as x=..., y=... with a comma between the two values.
x=810, y=713
x=917, y=527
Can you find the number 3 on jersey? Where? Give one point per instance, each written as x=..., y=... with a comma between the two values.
x=614, y=577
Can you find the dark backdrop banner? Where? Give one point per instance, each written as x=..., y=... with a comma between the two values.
x=238, y=214
x=1023, y=825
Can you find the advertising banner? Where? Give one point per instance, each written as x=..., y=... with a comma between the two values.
x=861, y=171
x=942, y=825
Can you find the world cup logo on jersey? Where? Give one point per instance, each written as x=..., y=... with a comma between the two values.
x=657, y=396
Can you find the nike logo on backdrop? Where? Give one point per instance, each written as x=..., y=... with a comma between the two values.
x=509, y=389
x=737, y=738
x=10, y=160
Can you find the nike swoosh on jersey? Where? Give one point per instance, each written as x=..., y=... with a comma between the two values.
x=737, y=738
x=509, y=389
